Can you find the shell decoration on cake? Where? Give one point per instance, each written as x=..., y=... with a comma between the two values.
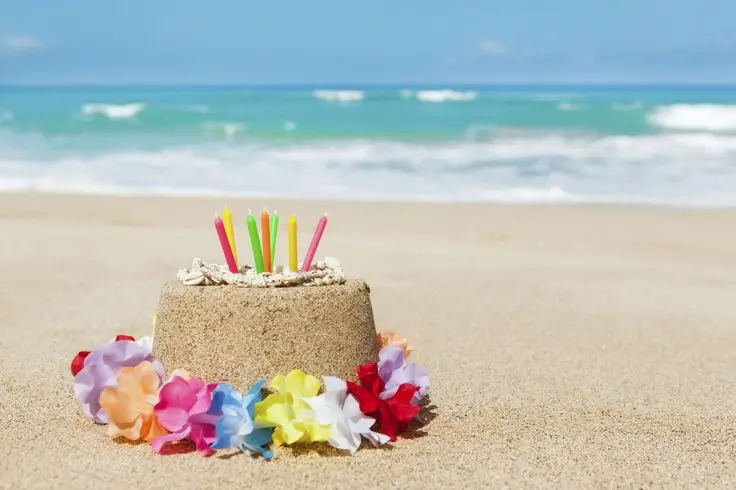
x=322, y=273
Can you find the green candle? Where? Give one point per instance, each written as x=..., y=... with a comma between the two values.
x=255, y=242
x=274, y=232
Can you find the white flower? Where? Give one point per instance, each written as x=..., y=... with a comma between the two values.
x=335, y=407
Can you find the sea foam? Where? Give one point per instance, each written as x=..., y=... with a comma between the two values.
x=113, y=111
x=669, y=168
x=695, y=117
x=339, y=95
x=445, y=96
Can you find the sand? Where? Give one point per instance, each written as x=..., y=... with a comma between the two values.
x=578, y=347
x=257, y=333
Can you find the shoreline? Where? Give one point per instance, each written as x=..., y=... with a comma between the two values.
x=340, y=201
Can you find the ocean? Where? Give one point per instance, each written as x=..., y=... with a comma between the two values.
x=654, y=145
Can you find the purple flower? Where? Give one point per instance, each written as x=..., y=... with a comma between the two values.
x=395, y=371
x=101, y=368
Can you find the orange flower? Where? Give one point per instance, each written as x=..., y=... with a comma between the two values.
x=129, y=407
x=388, y=337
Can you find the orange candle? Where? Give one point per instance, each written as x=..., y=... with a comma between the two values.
x=266, y=240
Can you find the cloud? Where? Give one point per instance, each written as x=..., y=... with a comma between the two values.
x=19, y=44
x=489, y=47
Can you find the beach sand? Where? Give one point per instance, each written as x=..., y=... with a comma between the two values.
x=567, y=346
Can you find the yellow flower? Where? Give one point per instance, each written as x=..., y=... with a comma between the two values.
x=287, y=411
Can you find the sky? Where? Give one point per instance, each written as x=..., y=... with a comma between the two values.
x=378, y=42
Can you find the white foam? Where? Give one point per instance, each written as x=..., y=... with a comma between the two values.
x=567, y=106
x=695, y=117
x=113, y=111
x=339, y=95
x=228, y=129
x=670, y=168
x=446, y=95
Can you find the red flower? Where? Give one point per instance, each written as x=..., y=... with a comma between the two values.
x=78, y=362
x=393, y=414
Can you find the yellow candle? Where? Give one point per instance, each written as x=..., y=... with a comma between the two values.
x=293, y=257
x=227, y=219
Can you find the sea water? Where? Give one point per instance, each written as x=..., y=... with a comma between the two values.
x=504, y=144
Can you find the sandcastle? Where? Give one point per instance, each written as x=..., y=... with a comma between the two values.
x=239, y=324
x=242, y=334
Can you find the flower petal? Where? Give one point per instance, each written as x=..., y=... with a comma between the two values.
x=78, y=362
x=295, y=382
x=118, y=406
x=278, y=383
x=158, y=443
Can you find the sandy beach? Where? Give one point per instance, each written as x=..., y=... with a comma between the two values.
x=576, y=347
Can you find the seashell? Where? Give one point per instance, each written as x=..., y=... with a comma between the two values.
x=331, y=262
x=322, y=272
x=196, y=281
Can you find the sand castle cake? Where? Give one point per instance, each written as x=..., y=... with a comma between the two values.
x=236, y=326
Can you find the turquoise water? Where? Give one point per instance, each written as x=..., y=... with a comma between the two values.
x=515, y=144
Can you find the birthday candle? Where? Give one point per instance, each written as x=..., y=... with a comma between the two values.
x=315, y=243
x=293, y=256
x=274, y=233
x=227, y=218
x=266, y=242
x=255, y=243
x=222, y=235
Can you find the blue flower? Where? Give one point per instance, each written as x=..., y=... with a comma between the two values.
x=235, y=427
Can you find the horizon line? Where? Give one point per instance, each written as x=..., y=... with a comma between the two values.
x=356, y=85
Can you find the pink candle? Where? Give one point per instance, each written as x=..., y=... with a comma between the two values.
x=314, y=244
x=225, y=243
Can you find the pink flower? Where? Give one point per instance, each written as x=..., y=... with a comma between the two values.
x=182, y=410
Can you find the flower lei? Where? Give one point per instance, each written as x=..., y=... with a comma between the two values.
x=119, y=384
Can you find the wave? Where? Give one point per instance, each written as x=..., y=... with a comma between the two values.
x=567, y=106
x=445, y=96
x=695, y=117
x=227, y=129
x=694, y=169
x=339, y=95
x=113, y=111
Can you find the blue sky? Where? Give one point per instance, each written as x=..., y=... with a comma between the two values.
x=383, y=41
